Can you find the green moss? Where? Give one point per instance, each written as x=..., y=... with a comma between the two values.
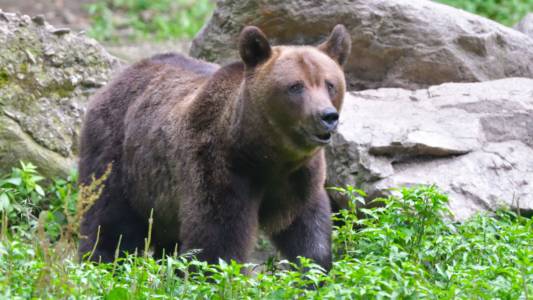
x=23, y=68
x=62, y=90
x=4, y=78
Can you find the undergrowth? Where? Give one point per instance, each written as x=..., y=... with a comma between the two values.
x=408, y=247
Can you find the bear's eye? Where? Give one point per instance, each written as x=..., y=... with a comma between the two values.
x=296, y=88
x=331, y=88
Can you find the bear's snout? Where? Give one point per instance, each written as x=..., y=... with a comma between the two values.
x=325, y=124
x=329, y=119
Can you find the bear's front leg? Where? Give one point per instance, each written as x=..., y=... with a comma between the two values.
x=309, y=235
x=223, y=225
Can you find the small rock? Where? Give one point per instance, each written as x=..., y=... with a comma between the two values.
x=3, y=17
x=25, y=20
x=10, y=16
x=30, y=56
x=60, y=31
x=39, y=20
x=92, y=83
x=74, y=79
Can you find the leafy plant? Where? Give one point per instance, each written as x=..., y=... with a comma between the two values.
x=24, y=200
x=20, y=196
x=409, y=247
x=61, y=200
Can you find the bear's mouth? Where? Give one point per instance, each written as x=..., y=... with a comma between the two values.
x=320, y=139
x=324, y=137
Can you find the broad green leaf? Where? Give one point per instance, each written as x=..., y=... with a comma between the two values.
x=14, y=181
x=4, y=201
x=39, y=190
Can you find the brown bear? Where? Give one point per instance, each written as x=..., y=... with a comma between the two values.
x=216, y=152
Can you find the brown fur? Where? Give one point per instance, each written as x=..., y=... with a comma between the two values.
x=217, y=153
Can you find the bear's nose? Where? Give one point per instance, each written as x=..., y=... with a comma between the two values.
x=330, y=118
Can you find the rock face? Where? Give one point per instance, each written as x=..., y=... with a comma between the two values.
x=473, y=140
x=396, y=43
x=46, y=77
x=526, y=25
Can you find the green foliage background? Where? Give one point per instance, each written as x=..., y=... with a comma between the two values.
x=507, y=12
x=132, y=20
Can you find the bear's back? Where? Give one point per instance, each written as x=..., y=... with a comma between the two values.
x=102, y=136
x=184, y=63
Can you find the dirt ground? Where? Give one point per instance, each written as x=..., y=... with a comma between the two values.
x=60, y=13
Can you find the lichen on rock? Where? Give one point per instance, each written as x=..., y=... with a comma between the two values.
x=46, y=77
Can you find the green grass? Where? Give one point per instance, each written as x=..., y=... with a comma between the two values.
x=132, y=20
x=407, y=248
x=507, y=12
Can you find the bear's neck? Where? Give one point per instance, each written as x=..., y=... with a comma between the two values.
x=256, y=145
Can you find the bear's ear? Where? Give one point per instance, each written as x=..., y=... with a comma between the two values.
x=253, y=46
x=338, y=45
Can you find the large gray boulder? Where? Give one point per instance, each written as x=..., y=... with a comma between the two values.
x=46, y=77
x=473, y=140
x=526, y=25
x=396, y=43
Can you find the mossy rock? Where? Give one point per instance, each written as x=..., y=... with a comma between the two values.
x=47, y=75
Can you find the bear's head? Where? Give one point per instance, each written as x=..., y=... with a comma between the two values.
x=296, y=90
